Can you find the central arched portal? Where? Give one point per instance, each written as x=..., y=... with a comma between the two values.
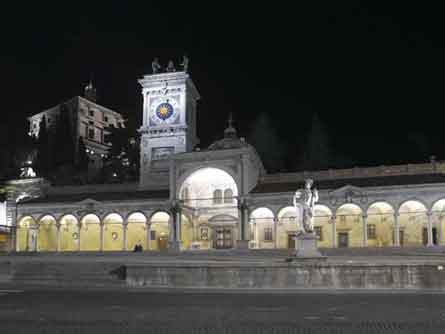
x=209, y=201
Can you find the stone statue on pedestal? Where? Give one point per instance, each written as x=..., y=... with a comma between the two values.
x=155, y=66
x=306, y=241
x=185, y=63
x=306, y=198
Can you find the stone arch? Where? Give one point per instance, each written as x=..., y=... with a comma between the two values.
x=380, y=224
x=27, y=230
x=323, y=225
x=90, y=232
x=136, y=229
x=206, y=186
x=262, y=223
x=180, y=182
x=288, y=219
x=160, y=227
x=69, y=233
x=113, y=232
x=349, y=225
x=438, y=220
x=47, y=233
x=413, y=222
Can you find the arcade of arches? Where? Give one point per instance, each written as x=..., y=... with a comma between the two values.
x=348, y=226
x=209, y=216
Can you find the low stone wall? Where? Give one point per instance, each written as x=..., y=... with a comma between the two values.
x=286, y=276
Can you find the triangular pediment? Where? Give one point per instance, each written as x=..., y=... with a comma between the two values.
x=88, y=202
x=346, y=189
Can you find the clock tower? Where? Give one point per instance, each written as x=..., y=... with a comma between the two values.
x=168, y=123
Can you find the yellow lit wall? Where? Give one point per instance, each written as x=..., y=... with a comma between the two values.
x=349, y=220
x=136, y=230
x=90, y=233
x=47, y=234
x=113, y=233
x=69, y=233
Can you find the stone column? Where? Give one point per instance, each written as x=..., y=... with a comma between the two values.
x=58, y=225
x=275, y=229
x=178, y=225
x=124, y=228
x=79, y=228
x=430, y=229
x=148, y=228
x=16, y=242
x=101, y=247
x=439, y=221
x=243, y=237
x=176, y=242
x=396, y=230
x=334, y=231
x=365, y=230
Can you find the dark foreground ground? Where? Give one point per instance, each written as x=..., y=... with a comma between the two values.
x=61, y=311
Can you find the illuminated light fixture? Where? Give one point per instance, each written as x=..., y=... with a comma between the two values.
x=87, y=150
x=114, y=174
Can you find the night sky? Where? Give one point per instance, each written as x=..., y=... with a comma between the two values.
x=374, y=74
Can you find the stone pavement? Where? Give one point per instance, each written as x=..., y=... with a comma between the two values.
x=110, y=312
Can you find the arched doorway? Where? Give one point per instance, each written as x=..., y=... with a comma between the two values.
x=412, y=224
x=113, y=233
x=27, y=235
x=210, y=192
x=288, y=226
x=380, y=225
x=160, y=224
x=264, y=228
x=438, y=221
x=136, y=230
x=47, y=234
x=349, y=226
x=90, y=233
x=323, y=226
x=69, y=233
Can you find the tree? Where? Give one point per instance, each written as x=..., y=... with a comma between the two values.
x=43, y=159
x=317, y=151
x=122, y=163
x=64, y=148
x=265, y=140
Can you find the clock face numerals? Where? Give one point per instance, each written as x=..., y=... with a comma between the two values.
x=164, y=110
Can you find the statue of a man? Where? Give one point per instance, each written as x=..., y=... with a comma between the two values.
x=185, y=63
x=170, y=67
x=306, y=198
x=155, y=66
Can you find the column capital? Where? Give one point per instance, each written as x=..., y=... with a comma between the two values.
x=365, y=216
x=429, y=213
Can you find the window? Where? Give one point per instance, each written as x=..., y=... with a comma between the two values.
x=91, y=112
x=343, y=219
x=90, y=133
x=228, y=196
x=318, y=233
x=152, y=235
x=105, y=119
x=268, y=234
x=371, y=231
x=217, y=196
x=204, y=233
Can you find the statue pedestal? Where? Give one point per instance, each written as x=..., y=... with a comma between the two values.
x=242, y=244
x=306, y=246
x=175, y=246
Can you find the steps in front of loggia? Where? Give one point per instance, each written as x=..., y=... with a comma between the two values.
x=59, y=274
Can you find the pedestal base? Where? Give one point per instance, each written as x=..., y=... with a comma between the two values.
x=175, y=246
x=242, y=244
x=306, y=246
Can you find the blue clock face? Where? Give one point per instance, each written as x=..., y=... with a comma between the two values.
x=164, y=110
